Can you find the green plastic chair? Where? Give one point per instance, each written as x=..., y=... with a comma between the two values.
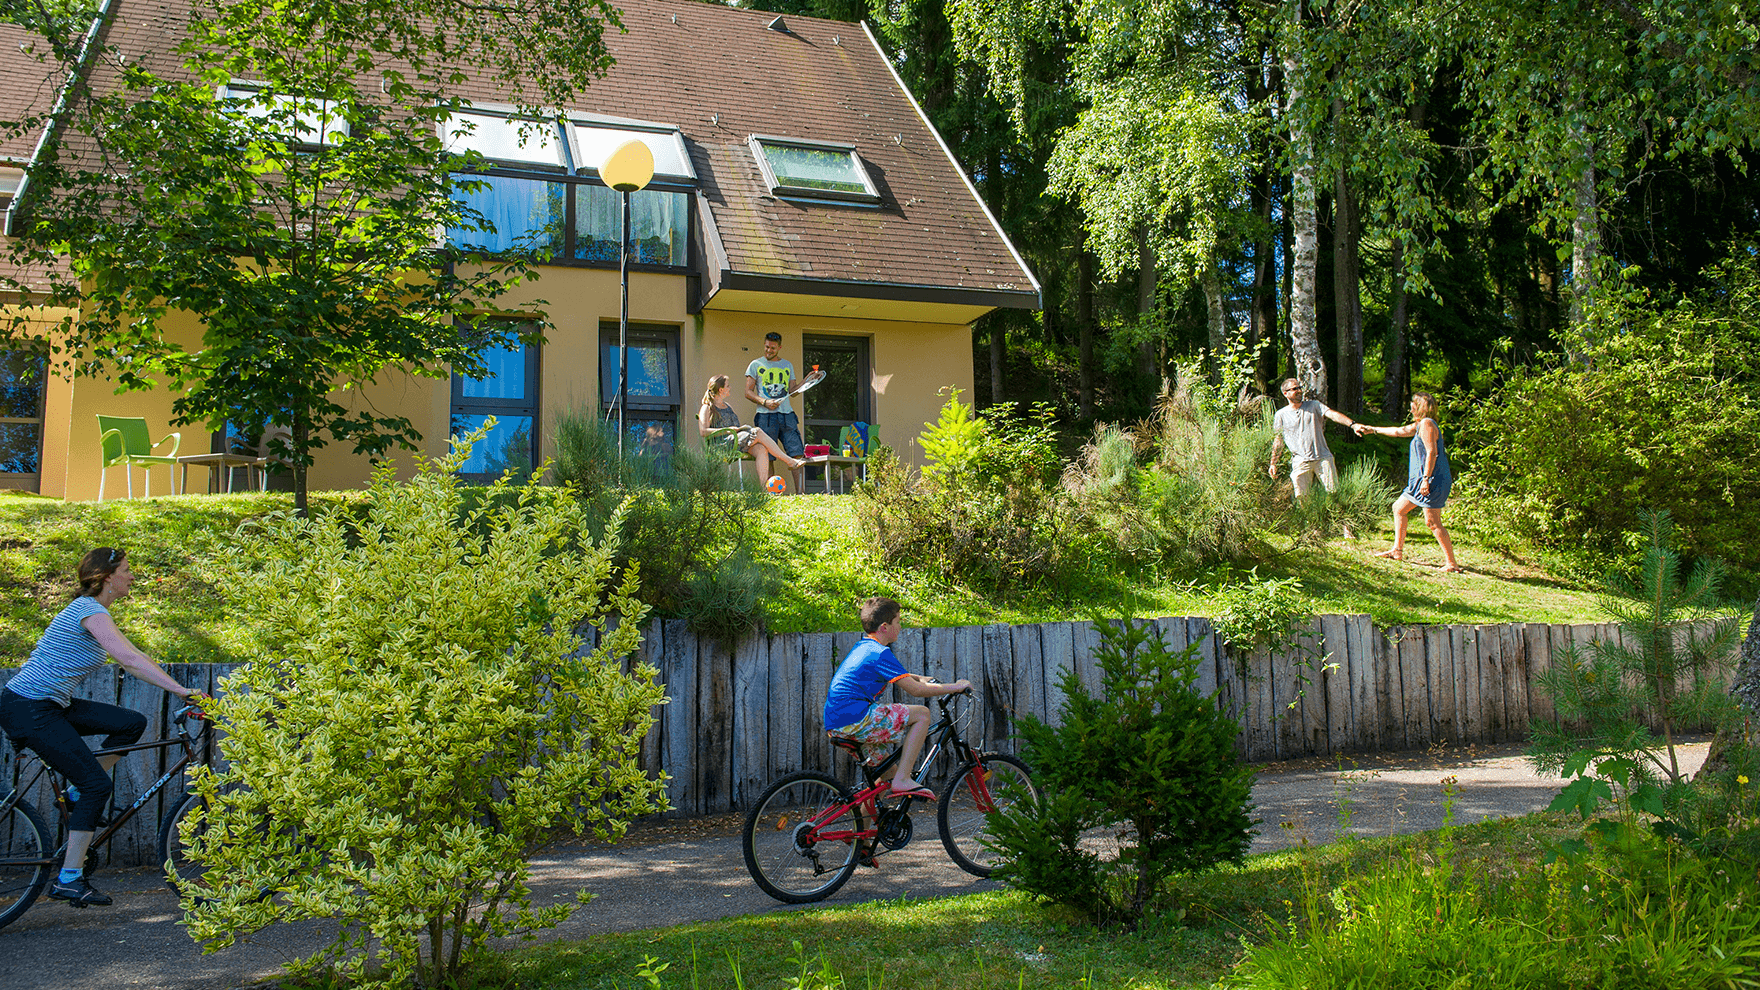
x=124, y=440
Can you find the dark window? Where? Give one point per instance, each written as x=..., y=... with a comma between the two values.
x=508, y=391
x=655, y=389
x=845, y=396
x=23, y=375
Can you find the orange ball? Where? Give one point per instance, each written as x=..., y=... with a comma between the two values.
x=776, y=485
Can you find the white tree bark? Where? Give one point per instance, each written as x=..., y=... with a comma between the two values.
x=1303, y=322
x=1585, y=237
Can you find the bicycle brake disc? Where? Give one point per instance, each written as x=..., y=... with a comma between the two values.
x=895, y=828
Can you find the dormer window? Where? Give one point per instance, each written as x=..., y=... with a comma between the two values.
x=315, y=122
x=596, y=137
x=506, y=140
x=813, y=169
x=10, y=179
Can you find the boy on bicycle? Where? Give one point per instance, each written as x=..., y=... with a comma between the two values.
x=853, y=709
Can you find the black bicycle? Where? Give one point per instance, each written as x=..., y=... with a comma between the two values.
x=27, y=856
x=809, y=831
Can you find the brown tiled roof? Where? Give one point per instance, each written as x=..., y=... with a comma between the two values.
x=721, y=75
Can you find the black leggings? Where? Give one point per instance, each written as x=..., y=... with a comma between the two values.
x=53, y=733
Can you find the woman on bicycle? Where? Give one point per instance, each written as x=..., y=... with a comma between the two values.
x=38, y=710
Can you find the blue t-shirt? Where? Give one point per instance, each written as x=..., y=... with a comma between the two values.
x=859, y=682
x=63, y=657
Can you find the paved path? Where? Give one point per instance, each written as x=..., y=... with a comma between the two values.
x=674, y=872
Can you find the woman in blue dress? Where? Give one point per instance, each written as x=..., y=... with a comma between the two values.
x=1428, y=478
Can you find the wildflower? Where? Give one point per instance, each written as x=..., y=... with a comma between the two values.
x=1741, y=778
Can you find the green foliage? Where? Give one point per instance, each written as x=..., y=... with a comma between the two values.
x=686, y=522
x=1261, y=613
x=1203, y=499
x=1149, y=761
x=1623, y=918
x=988, y=512
x=295, y=223
x=1668, y=668
x=419, y=716
x=1664, y=414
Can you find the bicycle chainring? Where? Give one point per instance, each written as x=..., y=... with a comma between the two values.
x=895, y=828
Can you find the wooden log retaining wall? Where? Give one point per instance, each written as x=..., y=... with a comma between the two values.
x=741, y=718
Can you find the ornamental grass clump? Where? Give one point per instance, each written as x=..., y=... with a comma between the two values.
x=419, y=716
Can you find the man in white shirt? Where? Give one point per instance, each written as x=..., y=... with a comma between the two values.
x=1301, y=426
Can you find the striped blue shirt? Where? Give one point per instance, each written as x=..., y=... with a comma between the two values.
x=63, y=657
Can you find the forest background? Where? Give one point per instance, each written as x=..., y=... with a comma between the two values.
x=1545, y=212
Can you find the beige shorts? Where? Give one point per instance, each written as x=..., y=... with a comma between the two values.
x=1302, y=473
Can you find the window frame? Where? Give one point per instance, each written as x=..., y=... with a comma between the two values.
x=645, y=407
x=562, y=143
x=565, y=256
x=864, y=350
x=781, y=189
x=246, y=90
x=19, y=480
x=530, y=406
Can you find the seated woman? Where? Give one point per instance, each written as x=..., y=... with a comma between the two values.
x=719, y=423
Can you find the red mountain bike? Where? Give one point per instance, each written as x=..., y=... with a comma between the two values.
x=809, y=831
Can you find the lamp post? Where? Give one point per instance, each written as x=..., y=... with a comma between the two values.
x=626, y=169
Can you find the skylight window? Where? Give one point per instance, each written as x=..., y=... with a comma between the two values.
x=505, y=139
x=813, y=169
x=596, y=138
x=315, y=121
x=10, y=179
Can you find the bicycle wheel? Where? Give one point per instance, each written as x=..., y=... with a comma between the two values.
x=183, y=874
x=800, y=838
x=23, y=838
x=969, y=800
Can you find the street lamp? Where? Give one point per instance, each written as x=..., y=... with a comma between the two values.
x=626, y=169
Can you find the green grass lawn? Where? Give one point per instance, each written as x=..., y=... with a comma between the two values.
x=177, y=612
x=1006, y=940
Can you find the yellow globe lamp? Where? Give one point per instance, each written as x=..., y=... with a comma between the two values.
x=629, y=167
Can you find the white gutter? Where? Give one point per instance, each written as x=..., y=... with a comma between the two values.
x=906, y=90
x=87, y=47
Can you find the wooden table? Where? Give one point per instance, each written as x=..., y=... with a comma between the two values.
x=222, y=465
x=836, y=462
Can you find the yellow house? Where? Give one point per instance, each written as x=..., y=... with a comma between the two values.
x=798, y=189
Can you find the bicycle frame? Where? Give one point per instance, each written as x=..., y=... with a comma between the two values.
x=183, y=738
x=944, y=731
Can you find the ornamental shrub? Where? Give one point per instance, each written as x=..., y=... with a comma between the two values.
x=988, y=509
x=1149, y=763
x=1662, y=414
x=687, y=517
x=418, y=717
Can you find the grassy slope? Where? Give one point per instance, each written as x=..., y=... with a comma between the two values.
x=830, y=568
x=177, y=613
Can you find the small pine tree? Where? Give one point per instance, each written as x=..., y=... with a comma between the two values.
x=1149, y=761
x=1668, y=668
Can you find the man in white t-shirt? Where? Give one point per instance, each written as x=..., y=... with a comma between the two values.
x=769, y=383
x=1301, y=426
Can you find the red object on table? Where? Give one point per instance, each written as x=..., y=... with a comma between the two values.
x=817, y=450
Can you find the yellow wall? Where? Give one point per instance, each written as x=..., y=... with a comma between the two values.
x=921, y=358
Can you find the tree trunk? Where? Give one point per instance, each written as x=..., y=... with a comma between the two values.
x=1393, y=391
x=1347, y=232
x=1585, y=242
x=1148, y=277
x=1085, y=324
x=300, y=431
x=1262, y=323
x=1304, y=219
x=1746, y=689
x=1217, y=303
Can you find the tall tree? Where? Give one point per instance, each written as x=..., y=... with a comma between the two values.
x=294, y=218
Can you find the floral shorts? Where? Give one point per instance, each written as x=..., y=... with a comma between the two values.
x=880, y=728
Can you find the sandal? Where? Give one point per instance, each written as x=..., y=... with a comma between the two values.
x=913, y=792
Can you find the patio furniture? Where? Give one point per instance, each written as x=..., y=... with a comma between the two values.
x=124, y=440
x=221, y=464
